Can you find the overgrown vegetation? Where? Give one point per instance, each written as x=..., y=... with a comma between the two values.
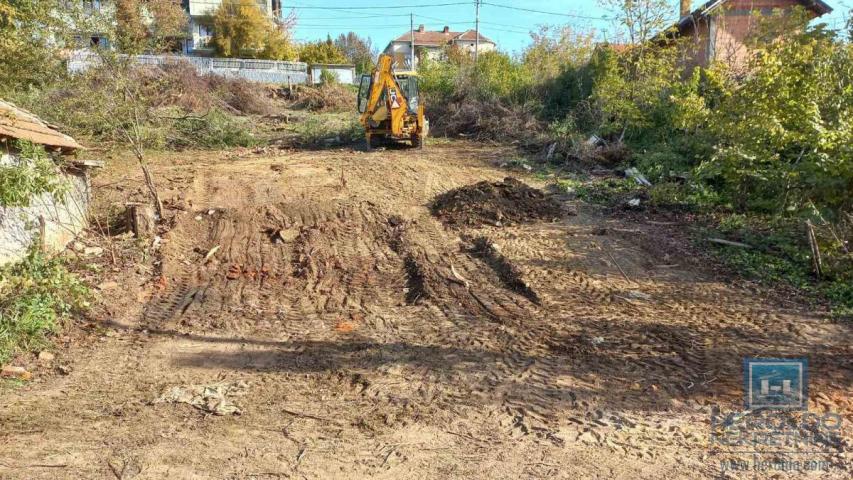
x=176, y=107
x=36, y=296
x=33, y=174
x=768, y=138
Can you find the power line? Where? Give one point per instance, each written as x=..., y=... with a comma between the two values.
x=376, y=8
x=547, y=13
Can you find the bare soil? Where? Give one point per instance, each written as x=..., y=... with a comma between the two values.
x=364, y=338
x=495, y=203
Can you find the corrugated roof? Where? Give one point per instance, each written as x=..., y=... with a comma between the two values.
x=20, y=124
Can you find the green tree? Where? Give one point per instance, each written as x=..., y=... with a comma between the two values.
x=31, y=37
x=552, y=51
x=358, y=51
x=786, y=134
x=322, y=51
x=497, y=75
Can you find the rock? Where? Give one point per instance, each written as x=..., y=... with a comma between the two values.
x=20, y=373
x=46, y=357
x=215, y=398
x=78, y=246
x=107, y=285
x=93, y=251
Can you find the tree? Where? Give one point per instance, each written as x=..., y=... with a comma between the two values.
x=242, y=29
x=321, y=51
x=139, y=23
x=121, y=99
x=31, y=37
x=553, y=50
x=633, y=84
x=358, y=51
x=640, y=19
x=785, y=132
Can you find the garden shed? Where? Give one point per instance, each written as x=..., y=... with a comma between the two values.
x=44, y=187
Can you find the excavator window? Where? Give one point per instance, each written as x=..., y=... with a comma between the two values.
x=409, y=85
x=363, y=92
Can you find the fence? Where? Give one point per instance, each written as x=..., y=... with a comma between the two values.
x=262, y=71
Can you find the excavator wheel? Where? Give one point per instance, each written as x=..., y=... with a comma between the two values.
x=375, y=141
x=417, y=141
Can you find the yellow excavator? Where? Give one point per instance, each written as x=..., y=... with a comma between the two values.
x=389, y=106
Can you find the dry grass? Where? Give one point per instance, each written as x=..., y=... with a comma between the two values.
x=484, y=120
x=322, y=98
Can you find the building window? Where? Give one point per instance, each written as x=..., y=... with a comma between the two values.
x=205, y=30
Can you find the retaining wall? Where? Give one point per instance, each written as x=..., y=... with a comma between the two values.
x=261, y=71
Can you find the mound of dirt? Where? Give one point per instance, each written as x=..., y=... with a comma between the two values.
x=498, y=203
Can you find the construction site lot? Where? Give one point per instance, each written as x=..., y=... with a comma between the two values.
x=337, y=313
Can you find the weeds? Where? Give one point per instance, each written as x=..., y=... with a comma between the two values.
x=215, y=130
x=780, y=255
x=607, y=192
x=318, y=131
x=36, y=296
x=34, y=174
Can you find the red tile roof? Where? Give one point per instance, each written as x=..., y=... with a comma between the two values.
x=20, y=124
x=438, y=38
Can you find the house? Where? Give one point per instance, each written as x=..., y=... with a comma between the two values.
x=51, y=219
x=199, y=28
x=720, y=29
x=433, y=44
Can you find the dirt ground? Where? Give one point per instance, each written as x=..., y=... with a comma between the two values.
x=358, y=336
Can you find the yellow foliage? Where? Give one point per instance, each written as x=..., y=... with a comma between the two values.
x=242, y=29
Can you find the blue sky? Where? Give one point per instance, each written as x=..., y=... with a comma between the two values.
x=384, y=20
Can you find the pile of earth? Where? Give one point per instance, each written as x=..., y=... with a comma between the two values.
x=494, y=203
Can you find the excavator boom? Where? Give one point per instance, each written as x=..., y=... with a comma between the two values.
x=390, y=107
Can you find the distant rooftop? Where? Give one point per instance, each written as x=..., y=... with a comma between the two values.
x=438, y=38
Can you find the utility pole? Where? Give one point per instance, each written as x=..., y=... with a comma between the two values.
x=477, y=32
x=412, y=53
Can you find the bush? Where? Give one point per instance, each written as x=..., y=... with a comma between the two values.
x=176, y=99
x=328, y=78
x=785, y=133
x=319, y=131
x=36, y=295
x=35, y=174
x=214, y=130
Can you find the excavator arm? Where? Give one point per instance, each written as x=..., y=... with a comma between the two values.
x=385, y=92
x=385, y=110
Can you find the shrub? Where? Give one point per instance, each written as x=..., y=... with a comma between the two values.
x=214, y=130
x=317, y=131
x=786, y=132
x=33, y=175
x=327, y=77
x=36, y=295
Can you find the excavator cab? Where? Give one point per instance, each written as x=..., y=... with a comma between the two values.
x=390, y=106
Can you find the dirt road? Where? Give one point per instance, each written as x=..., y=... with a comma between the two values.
x=346, y=332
